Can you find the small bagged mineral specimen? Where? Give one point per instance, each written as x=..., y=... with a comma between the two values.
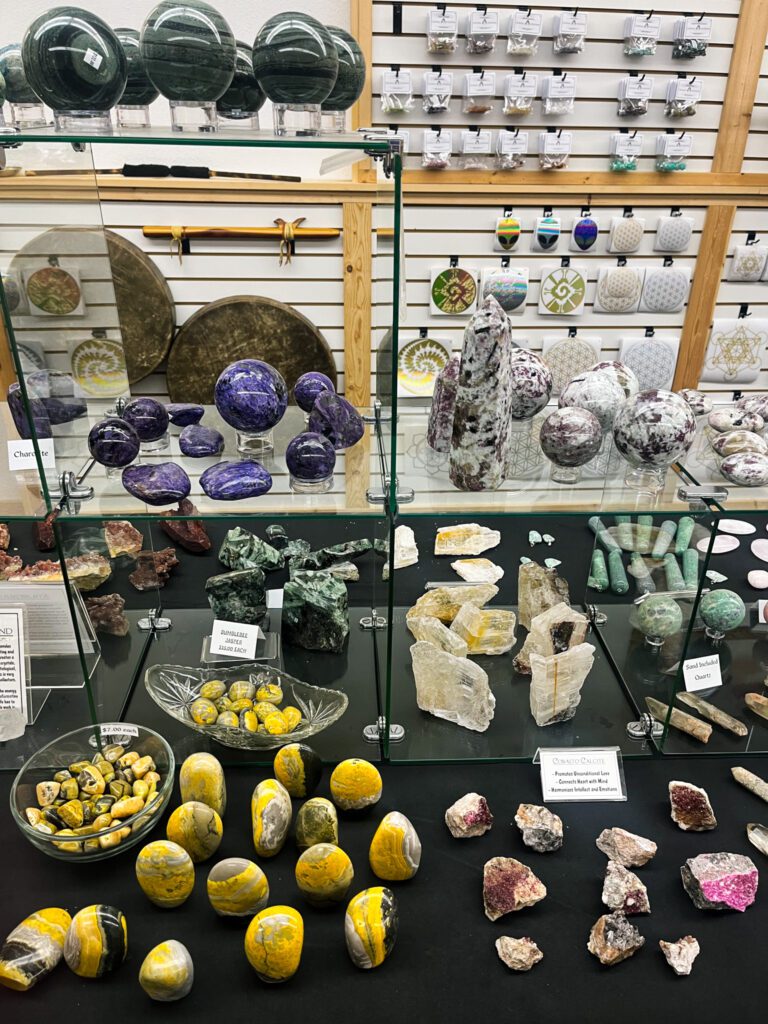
x=153, y=569
x=440, y=425
x=542, y=830
x=720, y=881
x=556, y=683
x=238, y=596
x=470, y=816
x=107, y=614
x=691, y=809
x=167, y=973
x=509, y=885
x=455, y=689
x=552, y=632
x=477, y=570
x=538, y=589
x=485, y=630
x=466, y=539
x=315, y=612
x=623, y=890
x=614, y=939
x=518, y=954
x=625, y=848
x=188, y=533
x=751, y=782
x=444, y=602
x=425, y=627
x=122, y=538
x=243, y=550
x=33, y=948
x=681, y=954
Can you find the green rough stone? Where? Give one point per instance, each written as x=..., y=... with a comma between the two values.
x=238, y=596
x=17, y=87
x=244, y=550
x=722, y=610
x=315, y=612
x=672, y=572
x=245, y=96
x=316, y=822
x=684, y=534
x=643, y=534
x=139, y=91
x=295, y=59
x=642, y=574
x=659, y=616
x=664, y=538
x=351, y=78
x=598, y=574
x=325, y=558
x=597, y=526
x=624, y=531
x=617, y=573
x=691, y=568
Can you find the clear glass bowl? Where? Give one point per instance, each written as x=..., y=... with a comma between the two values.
x=174, y=688
x=81, y=745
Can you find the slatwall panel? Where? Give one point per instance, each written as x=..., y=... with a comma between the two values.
x=756, y=154
x=598, y=68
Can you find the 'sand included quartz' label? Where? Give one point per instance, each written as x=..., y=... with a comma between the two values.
x=581, y=774
x=235, y=639
x=702, y=673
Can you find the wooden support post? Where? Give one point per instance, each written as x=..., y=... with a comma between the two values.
x=703, y=298
x=743, y=78
x=357, y=302
x=361, y=22
x=7, y=369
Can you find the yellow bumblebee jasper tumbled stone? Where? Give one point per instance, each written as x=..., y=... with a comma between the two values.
x=33, y=948
x=202, y=778
x=317, y=822
x=263, y=709
x=237, y=887
x=299, y=769
x=275, y=724
x=167, y=972
x=213, y=689
x=97, y=941
x=395, y=852
x=270, y=817
x=197, y=828
x=203, y=711
x=242, y=688
x=292, y=716
x=271, y=692
x=165, y=872
x=228, y=720
x=324, y=874
x=273, y=943
x=355, y=784
x=370, y=926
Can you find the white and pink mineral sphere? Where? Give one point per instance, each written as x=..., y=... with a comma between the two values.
x=598, y=392
x=621, y=374
x=530, y=383
x=654, y=428
x=571, y=436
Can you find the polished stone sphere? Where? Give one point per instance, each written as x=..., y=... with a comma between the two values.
x=596, y=391
x=722, y=610
x=351, y=77
x=188, y=51
x=309, y=386
x=654, y=428
x=571, y=436
x=659, y=616
x=245, y=95
x=113, y=442
x=251, y=395
x=148, y=417
x=622, y=375
x=17, y=88
x=530, y=384
x=310, y=457
x=74, y=61
x=295, y=59
x=139, y=92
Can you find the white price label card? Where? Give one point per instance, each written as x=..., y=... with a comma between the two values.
x=275, y=598
x=697, y=28
x=561, y=86
x=687, y=89
x=438, y=142
x=556, y=143
x=480, y=83
x=702, y=673
x=677, y=146
x=235, y=639
x=113, y=730
x=640, y=88
x=523, y=85
x=476, y=142
x=484, y=23
x=512, y=142
x=396, y=83
x=13, y=665
x=21, y=454
x=443, y=22
x=628, y=145
x=526, y=23
x=645, y=26
x=438, y=82
x=581, y=773
x=573, y=23
x=93, y=58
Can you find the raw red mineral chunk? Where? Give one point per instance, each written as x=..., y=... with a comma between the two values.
x=470, y=816
x=122, y=538
x=189, y=534
x=107, y=615
x=153, y=569
x=44, y=537
x=623, y=890
x=614, y=939
x=691, y=808
x=5, y=537
x=720, y=881
x=9, y=564
x=509, y=885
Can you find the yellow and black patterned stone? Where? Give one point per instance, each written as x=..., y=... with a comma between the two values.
x=202, y=778
x=273, y=943
x=299, y=769
x=33, y=948
x=370, y=926
x=355, y=784
x=97, y=941
x=271, y=813
x=317, y=822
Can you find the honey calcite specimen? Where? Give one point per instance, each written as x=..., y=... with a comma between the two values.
x=273, y=943
x=466, y=539
x=270, y=817
x=237, y=887
x=97, y=941
x=316, y=822
x=196, y=827
x=485, y=630
x=427, y=627
x=444, y=602
x=370, y=926
x=324, y=874
x=509, y=885
x=395, y=851
x=690, y=807
x=33, y=948
x=552, y=632
x=556, y=683
x=167, y=972
x=165, y=872
x=202, y=778
x=538, y=589
x=455, y=689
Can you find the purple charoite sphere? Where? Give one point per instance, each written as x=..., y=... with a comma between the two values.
x=251, y=396
x=113, y=442
x=183, y=414
x=309, y=386
x=337, y=419
x=38, y=411
x=198, y=442
x=654, y=428
x=160, y=483
x=232, y=481
x=310, y=457
x=571, y=436
x=147, y=417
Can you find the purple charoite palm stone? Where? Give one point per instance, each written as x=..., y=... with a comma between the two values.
x=59, y=393
x=199, y=442
x=654, y=428
x=720, y=881
x=309, y=386
x=160, y=483
x=251, y=396
x=337, y=419
x=232, y=481
x=571, y=436
x=113, y=442
x=440, y=426
x=310, y=457
x=184, y=414
x=40, y=418
x=147, y=417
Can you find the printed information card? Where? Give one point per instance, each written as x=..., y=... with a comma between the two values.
x=235, y=639
x=581, y=773
x=702, y=673
x=13, y=666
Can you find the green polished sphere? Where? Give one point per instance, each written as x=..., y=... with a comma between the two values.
x=244, y=96
x=722, y=610
x=295, y=60
x=659, y=616
x=188, y=51
x=74, y=61
x=2, y=90
x=351, y=78
x=139, y=92
x=17, y=88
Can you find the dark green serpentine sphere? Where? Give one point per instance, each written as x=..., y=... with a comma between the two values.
x=188, y=51
x=2, y=90
x=351, y=79
x=295, y=60
x=139, y=92
x=74, y=61
x=244, y=96
x=17, y=88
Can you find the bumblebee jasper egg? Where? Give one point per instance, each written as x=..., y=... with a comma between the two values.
x=355, y=784
x=270, y=817
x=228, y=720
x=197, y=828
x=273, y=943
x=213, y=689
x=324, y=874
x=271, y=692
x=395, y=851
x=202, y=778
x=203, y=711
x=292, y=716
x=33, y=948
x=299, y=769
x=276, y=724
x=242, y=688
x=316, y=822
x=237, y=887
x=370, y=926
x=167, y=972
x=165, y=872
x=97, y=941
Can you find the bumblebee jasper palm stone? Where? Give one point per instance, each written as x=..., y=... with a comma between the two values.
x=370, y=926
x=395, y=852
x=355, y=784
x=237, y=888
x=167, y=972
x=166, y=874
x=33, y=948
x=97, y=941
x=197, y=828
x=324, y=874
x=188, y=51
x=270, y=817
x=298, y=768
x=316, y=822
x=202, y=778
x=273, y=943
x=295, y=59
x=351, y=78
